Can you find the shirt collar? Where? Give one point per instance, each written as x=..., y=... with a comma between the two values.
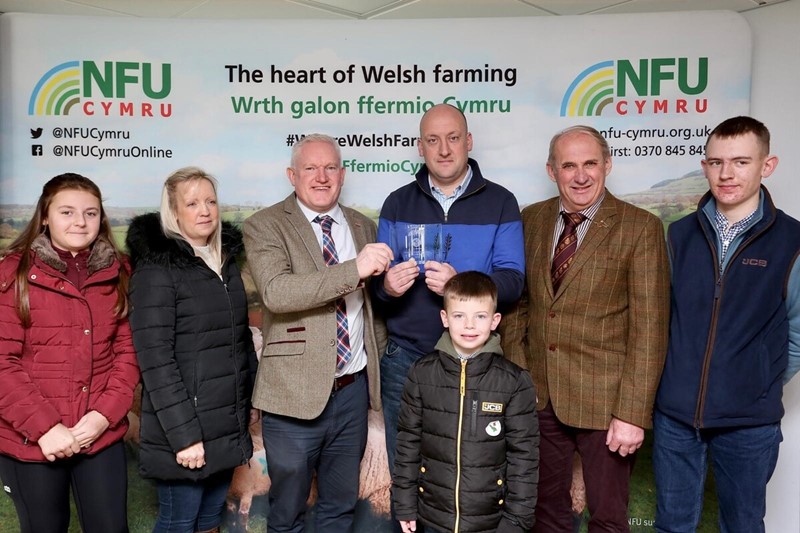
x=458, y=190
x=710, y=211
x=335, y=213
x=589, y=212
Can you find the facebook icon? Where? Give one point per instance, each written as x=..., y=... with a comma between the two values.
x=36, y=150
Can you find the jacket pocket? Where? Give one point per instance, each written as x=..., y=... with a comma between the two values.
x=284, y=347
x=392, y=349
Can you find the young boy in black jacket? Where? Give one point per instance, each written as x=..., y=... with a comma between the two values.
x=468, y=437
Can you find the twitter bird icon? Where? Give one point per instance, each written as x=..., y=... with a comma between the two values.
x=35, y=134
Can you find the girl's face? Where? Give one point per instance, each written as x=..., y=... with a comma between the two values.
x=73, y=219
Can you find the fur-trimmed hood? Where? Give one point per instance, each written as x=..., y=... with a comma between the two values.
x=147, y=243
x=101, y=256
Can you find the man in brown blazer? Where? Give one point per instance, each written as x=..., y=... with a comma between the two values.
x=311, y=259
x=595, y=345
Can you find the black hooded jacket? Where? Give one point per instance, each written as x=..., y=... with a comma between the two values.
x=195, y=350
x=467, y=443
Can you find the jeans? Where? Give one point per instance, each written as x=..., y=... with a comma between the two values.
x=189, y=506
x=743, y=459
x=395, y=364
x=40, y=491
x=332, y=445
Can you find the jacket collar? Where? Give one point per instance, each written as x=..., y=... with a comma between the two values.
x=478, y=363
x=602, y=223
x=475, y=183
x=302, y=226
x=147, y=243
x=765, y=212
x=101, y=256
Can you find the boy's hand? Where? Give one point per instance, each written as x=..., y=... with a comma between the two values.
x=409, y=526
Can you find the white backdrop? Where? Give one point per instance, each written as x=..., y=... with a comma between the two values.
x=248, y=152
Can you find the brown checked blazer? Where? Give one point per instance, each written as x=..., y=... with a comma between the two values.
x=596, y=348
x=298, y=290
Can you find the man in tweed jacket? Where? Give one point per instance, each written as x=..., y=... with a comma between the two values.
x=596, y=346
x=314, y=407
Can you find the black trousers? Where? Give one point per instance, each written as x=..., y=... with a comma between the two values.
x=40, y=491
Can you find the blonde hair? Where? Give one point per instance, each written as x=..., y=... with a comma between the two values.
x=169, y=208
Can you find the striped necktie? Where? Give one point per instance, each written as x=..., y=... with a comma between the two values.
x=566, y=248
x=331, y=258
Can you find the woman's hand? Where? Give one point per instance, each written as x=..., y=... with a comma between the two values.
x=58, y=443
x=192, y=457
x=89, y=428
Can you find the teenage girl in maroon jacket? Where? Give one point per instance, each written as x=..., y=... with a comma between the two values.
x=67, y=364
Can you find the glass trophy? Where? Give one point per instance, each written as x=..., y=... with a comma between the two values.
x=423, y=242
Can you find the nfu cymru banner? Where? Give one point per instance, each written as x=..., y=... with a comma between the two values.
x=133, y=99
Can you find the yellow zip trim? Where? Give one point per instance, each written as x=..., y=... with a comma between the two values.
x=462, y=392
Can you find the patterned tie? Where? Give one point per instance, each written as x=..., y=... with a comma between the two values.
x=331, y=258
x=566, y=247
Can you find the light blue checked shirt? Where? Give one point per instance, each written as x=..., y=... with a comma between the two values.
x=728, y=232
x=447, y=201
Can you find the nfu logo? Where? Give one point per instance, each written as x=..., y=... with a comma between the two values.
x=103, y=89
x=624, y=87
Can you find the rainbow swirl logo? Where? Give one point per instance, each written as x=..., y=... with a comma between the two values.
x=57, y=91
x=590, y=92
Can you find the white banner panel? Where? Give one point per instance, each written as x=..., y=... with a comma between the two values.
x=125, y=101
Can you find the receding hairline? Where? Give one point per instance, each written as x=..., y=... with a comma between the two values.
x=442, y=108
x=592, y=133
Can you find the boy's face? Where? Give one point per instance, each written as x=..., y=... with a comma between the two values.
x=470, y=322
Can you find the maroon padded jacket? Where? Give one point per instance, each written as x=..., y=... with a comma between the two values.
x=77, y=356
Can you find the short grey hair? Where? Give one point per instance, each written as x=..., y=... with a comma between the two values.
x=315, y=138
x=588, y=130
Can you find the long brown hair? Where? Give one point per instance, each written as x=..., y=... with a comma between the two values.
x=36, y=227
